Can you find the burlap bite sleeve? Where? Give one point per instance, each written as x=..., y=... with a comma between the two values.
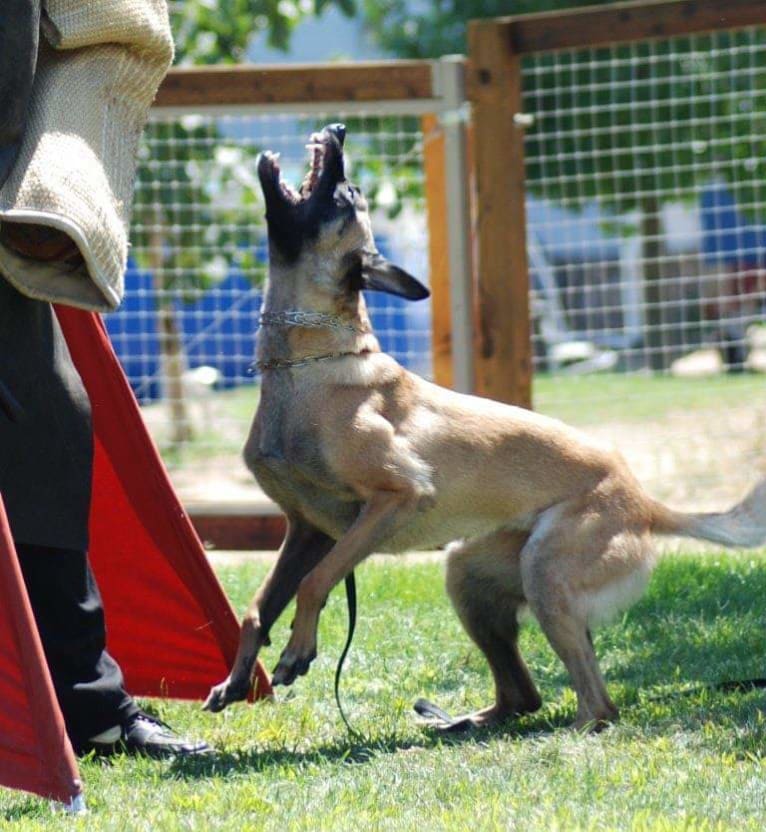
x=98, y=70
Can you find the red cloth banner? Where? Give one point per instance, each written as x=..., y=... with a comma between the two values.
x=169, y=624
x=35, y=752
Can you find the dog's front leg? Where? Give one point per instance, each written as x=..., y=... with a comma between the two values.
x=303, y=547
x=379, y=517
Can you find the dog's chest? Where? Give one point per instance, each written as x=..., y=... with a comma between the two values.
x=284, y=454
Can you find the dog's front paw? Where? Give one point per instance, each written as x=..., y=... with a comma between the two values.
x=224, y=694
x=291, y=666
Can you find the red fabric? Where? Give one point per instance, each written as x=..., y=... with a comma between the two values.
x=169, y=624
x=35, y=753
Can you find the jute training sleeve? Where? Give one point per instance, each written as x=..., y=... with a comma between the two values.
x=98, y=70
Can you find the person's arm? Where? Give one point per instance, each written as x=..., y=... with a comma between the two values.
x=65, y=206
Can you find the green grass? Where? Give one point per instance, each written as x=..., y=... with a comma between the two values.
x=607, y=397
x=695, y=762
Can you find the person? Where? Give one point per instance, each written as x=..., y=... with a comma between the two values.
x=76, y=81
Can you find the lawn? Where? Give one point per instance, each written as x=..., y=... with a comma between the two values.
x=622, y=397
x=673, y=762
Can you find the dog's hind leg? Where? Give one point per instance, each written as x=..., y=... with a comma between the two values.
x=579, y=558
x=484, y=584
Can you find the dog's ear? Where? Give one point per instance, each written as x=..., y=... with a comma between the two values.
x=380, y=275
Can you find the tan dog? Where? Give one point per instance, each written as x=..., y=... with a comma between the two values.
x=363, y=456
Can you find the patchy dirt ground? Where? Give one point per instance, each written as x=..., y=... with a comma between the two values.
x=702, y=461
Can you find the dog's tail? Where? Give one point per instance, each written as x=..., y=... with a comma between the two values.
x=743, y=525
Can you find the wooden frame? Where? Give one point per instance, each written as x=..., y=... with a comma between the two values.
x=625, y=22
x=238, y=526
x=503, y=351
x=438, y=250
x=246, y=85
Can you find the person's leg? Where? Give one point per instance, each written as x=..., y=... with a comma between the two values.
x=46, y=460
x=67, y=607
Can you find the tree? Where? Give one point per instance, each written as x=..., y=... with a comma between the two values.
x=220, y=31
x=181, y=223
x=702, y=115
x=432, y=28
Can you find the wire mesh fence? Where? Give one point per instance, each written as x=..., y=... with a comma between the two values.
x=646, y=211
x=186, y=331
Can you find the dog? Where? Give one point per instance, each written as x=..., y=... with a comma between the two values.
x=363, y=456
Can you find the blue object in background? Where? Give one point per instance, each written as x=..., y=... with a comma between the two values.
x=134, y=333
x=728, y=236
x=219, y=329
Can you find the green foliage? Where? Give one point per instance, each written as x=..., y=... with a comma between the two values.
x=193, y=184
x=220, y=31
x=190, y=218
x=389, y=170
x=433, y=28
x=650, y=119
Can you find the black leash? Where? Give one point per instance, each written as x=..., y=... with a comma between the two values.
x=351, y=601
x=728, y=686
x=428, y=710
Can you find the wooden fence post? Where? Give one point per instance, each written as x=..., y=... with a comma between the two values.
x=504, y=351
x=446, y=159
x=438, y=250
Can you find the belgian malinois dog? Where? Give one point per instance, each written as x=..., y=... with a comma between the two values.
x=362, y=457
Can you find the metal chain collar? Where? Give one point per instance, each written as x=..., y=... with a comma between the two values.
x=313, y=320
x=287, y=363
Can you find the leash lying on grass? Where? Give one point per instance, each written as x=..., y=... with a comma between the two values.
x=434, y=713
x=428, y=710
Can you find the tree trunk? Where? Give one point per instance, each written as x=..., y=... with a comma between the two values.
x=172, y=358
x=657, y=357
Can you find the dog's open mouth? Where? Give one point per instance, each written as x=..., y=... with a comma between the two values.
x=319, y=146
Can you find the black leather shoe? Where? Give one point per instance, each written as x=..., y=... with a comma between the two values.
x=147, y=736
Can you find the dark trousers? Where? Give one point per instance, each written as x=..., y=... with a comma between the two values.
x=46, y=460
x=70, y=617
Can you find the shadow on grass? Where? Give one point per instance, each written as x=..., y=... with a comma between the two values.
x=362, y=750
x=701, y=622
x=27, y=809
x=223, y=763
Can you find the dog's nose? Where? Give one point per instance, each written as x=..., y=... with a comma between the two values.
x=338, y=130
